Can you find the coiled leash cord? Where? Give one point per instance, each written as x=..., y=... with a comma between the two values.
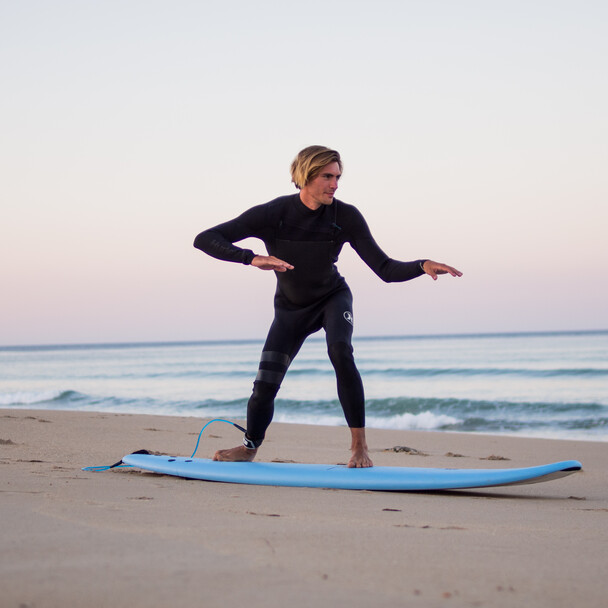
x=120, y=465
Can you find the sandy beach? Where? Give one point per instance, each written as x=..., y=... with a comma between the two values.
x=130, y=538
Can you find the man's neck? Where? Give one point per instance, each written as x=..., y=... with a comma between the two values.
x=308, y=201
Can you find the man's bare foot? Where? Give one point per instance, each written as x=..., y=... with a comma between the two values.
x=360, y=456
x=360, y=460
x=238, y=454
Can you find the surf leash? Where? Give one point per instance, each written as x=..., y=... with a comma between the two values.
x=215, y=420
x=121, y=465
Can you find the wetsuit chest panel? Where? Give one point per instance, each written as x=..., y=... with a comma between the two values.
x=313, y=276
x=311, y=248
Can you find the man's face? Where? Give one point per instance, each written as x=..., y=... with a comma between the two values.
x=321, y=190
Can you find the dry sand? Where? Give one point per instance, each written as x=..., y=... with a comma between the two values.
x=134, y=539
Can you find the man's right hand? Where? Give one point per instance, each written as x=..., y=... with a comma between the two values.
x=269, y=262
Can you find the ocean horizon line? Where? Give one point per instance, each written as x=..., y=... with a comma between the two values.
x=236, y=341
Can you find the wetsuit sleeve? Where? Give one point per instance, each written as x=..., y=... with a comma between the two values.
x=218, y=241
x=362, y=241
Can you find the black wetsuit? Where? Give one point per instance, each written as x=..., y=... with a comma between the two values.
x=311, y=296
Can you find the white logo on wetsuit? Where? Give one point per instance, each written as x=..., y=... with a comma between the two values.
x=349, y=317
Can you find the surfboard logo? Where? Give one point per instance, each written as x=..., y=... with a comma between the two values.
x=349, y=317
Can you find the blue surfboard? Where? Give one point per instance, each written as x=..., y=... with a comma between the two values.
x=341, y=477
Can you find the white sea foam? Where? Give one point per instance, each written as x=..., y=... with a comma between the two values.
x=28, y=398
x=425, y=421
x=305, y=418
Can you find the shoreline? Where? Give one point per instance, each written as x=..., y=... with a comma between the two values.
x=126, y=537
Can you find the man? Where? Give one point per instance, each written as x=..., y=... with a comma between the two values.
x=304, y=234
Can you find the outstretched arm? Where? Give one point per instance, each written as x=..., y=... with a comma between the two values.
x=388, y=269
x=433, y=269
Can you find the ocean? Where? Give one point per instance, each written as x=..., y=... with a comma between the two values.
x=551, y=385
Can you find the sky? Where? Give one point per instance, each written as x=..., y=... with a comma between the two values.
x=473, y=132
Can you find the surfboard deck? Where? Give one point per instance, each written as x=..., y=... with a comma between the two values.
x=341, y=477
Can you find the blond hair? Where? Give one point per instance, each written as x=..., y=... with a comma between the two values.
x=309, y=162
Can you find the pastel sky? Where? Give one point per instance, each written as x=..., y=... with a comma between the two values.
x=473, y=132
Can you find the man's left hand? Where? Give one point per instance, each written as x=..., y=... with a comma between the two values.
x=433, y=269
